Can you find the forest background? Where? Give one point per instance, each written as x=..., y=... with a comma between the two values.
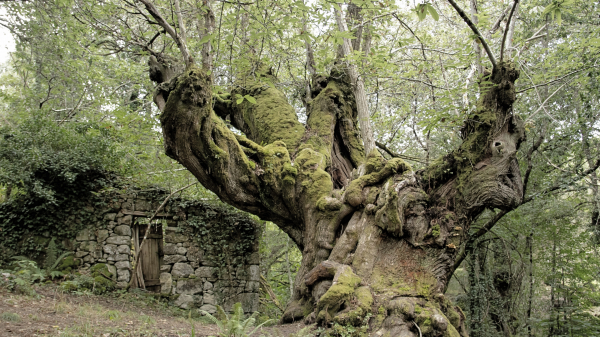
x=76, y=101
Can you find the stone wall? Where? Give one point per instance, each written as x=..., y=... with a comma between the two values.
x=200, y=267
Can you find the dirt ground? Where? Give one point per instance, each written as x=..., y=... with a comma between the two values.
x=53, y=313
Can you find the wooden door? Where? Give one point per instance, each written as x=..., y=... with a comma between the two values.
x=151, y=256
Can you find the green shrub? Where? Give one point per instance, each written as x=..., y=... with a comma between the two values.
x=89, y=284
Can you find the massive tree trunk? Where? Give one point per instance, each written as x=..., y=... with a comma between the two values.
x=376, y=236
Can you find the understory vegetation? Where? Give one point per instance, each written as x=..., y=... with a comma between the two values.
x=80, y=118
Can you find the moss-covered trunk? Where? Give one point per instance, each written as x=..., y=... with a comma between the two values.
x=377, y=237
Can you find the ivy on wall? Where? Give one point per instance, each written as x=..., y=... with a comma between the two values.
x=227, y=236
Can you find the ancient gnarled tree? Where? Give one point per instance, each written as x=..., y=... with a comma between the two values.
x=376, y=236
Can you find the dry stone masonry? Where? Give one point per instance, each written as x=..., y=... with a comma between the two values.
x=209, y=252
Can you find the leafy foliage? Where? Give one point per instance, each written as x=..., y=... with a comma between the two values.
x=234, y=325
x=54, y=171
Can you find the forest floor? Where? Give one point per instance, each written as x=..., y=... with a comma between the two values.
x=54, y=313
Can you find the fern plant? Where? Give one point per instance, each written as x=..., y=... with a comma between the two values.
x=51, y=254
x=234, y=326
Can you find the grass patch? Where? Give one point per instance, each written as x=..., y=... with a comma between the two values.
x=10, y=317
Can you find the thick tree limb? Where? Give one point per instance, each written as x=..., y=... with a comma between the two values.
x=468, y=21
x=359, y=90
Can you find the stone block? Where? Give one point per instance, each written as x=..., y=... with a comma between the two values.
x=252, y=286
x=126, y=220
x=122, y=257
x=110, y=249
x=181, y=250
x=173, y=237
x=166, y=283
x=254, y=273
x=195, y=254
x=123, y=230
x=123, y=265
x=110, y=216
x=123, y=249
x=88, y=259
x=165, y=268
x=119, y=240
x=209, y=299
x=97, y=254
x=80, y=254
x=185, y=301
x=90, y=246
x=211, y=309
x=123, y=275
x=122, y=285
x=207, y=272
x=182, y=270
x=113, y=270
x=254, y=258
x=208, y=286
x=102, y=235
x=170, y=249
x=85, y=235
x=190, y=286
x=127, y=205
x=170, y=259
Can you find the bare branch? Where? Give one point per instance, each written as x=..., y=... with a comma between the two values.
x=475, y=30
x=553, y=81
x=512, y=11
x=169, y=29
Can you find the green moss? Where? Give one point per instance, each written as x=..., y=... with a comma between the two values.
x=339, y=293
x=68, y=264
x=435, y=231
x=354, y=195
x=316, y=183
x=375, y=162
x=380, y=317
x=272, y=118
x=451, y=332
x=100, y=269
x=102, y=285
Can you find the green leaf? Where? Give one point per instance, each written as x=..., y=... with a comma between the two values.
x=250, y=99
x=558, y=17
x=239, y=100
x=433, y=12
x=205, y=38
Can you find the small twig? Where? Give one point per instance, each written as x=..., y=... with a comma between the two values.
x=553, y=81
x=544, y=103
x=415, y=323
x=397, y=155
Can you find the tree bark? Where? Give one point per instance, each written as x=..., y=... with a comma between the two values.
x=376, y=236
